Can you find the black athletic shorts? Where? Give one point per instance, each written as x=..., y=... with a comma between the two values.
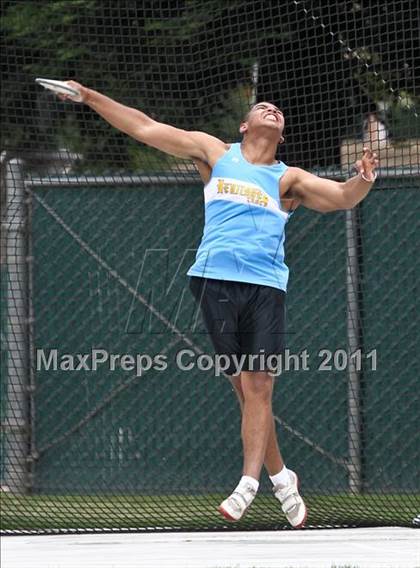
x=243, y=319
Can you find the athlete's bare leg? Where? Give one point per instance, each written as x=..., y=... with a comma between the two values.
x=257, y=422
x=254, y=392
x=273, y=460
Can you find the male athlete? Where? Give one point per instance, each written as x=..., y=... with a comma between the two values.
x=239, y=277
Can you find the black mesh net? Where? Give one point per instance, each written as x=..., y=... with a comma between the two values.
x=98, y=231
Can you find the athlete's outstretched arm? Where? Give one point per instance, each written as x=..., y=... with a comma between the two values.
x=326, y=195
x=138, y=125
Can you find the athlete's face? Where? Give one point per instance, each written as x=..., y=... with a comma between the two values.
x=264, y=115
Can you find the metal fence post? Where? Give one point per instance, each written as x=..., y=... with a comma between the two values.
x=16, y=403
x=353, y=340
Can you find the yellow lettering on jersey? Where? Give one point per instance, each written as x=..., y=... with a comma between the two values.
x=252, y=194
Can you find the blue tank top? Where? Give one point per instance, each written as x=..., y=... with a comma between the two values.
x=244, y=231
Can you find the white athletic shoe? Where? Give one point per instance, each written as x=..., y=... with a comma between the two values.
x=291, y=502
x=235, y=506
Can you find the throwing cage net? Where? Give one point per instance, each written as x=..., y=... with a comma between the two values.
x=98, y=232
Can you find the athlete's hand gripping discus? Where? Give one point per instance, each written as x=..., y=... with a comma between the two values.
x=65, y=89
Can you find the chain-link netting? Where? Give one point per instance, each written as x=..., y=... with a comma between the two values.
x=109, y=418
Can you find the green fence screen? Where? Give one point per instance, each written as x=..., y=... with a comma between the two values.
x=157, y=447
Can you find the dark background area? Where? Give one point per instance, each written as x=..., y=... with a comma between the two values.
x=189, y=63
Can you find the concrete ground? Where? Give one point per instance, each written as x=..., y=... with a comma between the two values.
x=386, y=547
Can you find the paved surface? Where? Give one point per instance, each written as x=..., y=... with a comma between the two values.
x=365, y=548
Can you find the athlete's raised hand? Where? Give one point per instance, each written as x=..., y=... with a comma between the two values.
x=367, y=164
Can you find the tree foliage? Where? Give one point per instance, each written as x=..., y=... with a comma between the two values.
x=188, y=62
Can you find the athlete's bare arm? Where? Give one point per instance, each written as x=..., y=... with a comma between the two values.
x=174, y=141
x=204, y=170
x=326, y=195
